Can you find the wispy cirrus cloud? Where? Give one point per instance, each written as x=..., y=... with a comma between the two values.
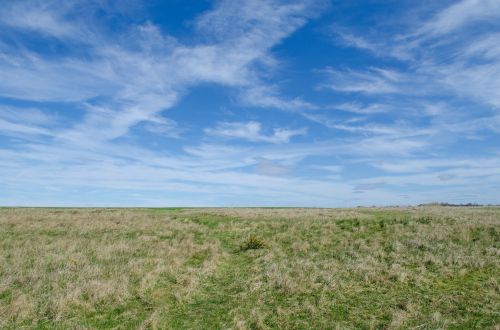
x=252, y=131
x=268, y=96
x=460, y=15
x=371, y=81
x=462, y=63
x=135, y=79
x=437, y=66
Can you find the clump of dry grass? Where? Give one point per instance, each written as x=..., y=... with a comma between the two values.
x=252, y=243
x=426, y=267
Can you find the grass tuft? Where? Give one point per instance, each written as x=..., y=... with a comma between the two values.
x=253, y=243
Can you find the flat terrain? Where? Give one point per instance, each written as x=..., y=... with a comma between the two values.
x=397, y=268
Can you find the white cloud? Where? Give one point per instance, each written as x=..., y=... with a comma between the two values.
x=21, y=130
x=419, y=165
x=164, y=127
x=371, y=81
x=486, y=47
x=136, y=82
x=267, y=96
x=252, y=131
x=45, y=17
x=479, y=81
x=27, y=116
x=450, y=58
x=267, y=167
x=364, y=109
x=460, y=15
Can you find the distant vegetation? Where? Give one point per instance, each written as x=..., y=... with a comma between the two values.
x=429, y=267
x=451, y=204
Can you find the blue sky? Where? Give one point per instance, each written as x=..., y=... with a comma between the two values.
x=247, y=103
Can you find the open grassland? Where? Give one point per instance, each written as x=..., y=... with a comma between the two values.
x=421, y=268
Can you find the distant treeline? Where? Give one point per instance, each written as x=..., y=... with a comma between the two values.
x=451, y=204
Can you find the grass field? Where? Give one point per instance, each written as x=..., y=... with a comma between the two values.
x=365, y=268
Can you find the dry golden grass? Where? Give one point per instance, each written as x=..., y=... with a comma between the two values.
x=425, y=267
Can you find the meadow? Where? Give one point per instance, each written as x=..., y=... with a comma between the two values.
x=430, y=267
